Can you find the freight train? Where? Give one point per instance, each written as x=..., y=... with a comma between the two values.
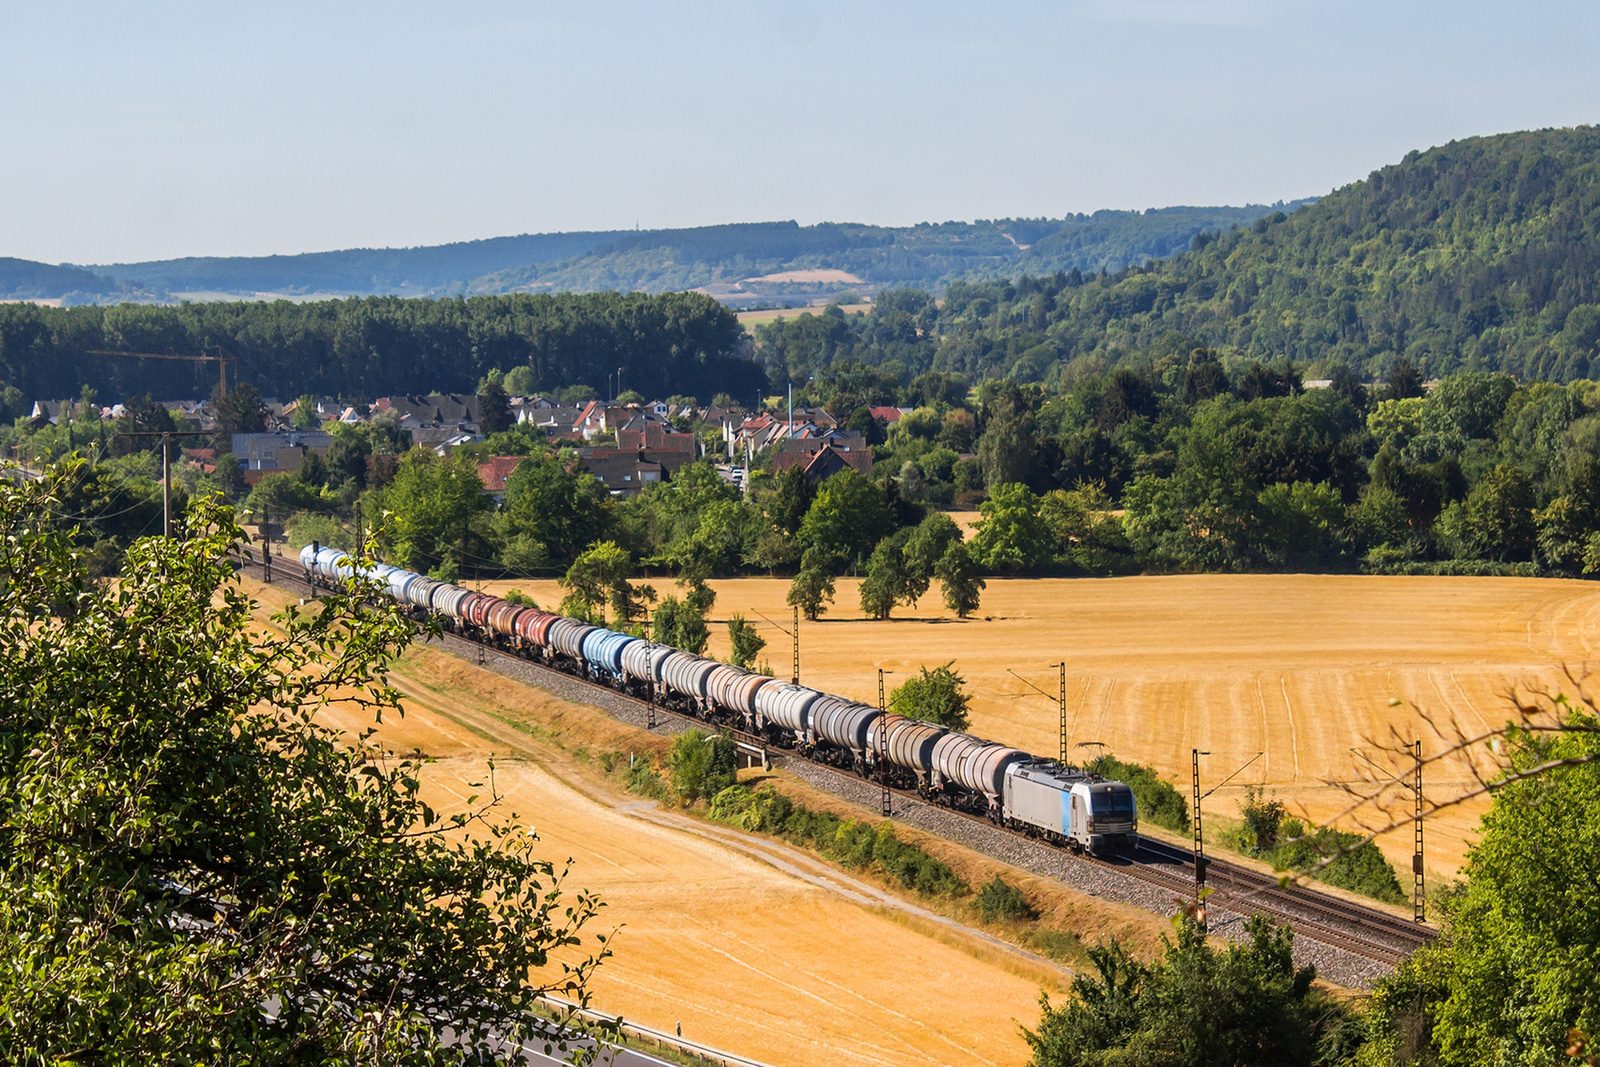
x=1041, y=797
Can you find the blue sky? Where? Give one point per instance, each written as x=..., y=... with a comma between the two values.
x=137, y=131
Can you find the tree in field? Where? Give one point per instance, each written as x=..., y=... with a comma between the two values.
x=1006, y=447
x=599, y=576
x=958, y=574
x=1204, y=378
x=143, y=415
x=744, y=642
x=1515, y=972
x=183, y=844
x=887, y=582
x=1404, y=380
x=789, y=499
x=925, y=546
x=1243, y=1006
x=935, y=696
x=305, y=413
x=241, y=411
x=848, y=517
x=1012, y=537
x=1496, y=520
x=680, y=624
x=520, y=380
x=811, y=591
x=347, y=456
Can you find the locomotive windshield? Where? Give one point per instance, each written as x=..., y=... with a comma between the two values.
x=1111, y=802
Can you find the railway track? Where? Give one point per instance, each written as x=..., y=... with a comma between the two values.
x=1367, y=932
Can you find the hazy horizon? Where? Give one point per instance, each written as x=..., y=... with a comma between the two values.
x=178, y=129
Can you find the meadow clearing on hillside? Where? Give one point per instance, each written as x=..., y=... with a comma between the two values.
x=1299, y=667
x=747, y=956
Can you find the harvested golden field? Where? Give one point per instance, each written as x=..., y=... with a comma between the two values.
x=1299, y=667
x=751, y=319
x=752, y=946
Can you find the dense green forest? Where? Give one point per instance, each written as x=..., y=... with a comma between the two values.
x=678, y=343
x=928, y=254
x=1480, y=255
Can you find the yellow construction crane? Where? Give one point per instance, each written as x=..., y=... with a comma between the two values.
x=221, y=362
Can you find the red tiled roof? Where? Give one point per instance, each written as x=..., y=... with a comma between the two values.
x=496, y=470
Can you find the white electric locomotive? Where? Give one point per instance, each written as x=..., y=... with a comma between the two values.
x=1063, y=804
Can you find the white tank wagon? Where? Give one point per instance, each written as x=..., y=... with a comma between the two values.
x=447, y=601
x=949, y=753
x=335, y=564
x=686, y=675
x=400, y=581
x=421, y=592
x=566, y=637
x=734, y=689
x=1067, y=806
x=907, y=743
x=787, y=709
x=324, y=562
x=602, y=650
x=842, y=729
x=641, y=662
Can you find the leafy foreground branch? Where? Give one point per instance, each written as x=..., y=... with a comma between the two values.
x=192, y=869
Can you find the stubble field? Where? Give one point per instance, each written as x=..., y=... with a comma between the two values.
x=1301, y=668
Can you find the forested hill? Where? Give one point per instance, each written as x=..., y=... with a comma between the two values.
x=1481, y=254
x=734, y=261
x=720, y=257
x=21, y=279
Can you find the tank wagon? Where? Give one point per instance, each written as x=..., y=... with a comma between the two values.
x=641, y=664
x=1041, y=797
x=602, y=651
x=783, y=712
x=842, y=730
x=735, y=690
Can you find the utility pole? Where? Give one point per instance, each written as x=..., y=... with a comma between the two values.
x=359, y=541
x=463, y=567
x=796, y=678
x=883, y=756
x=166, y=468
x=1063, y=706
x=266, y=544
x=1199, y=846
x=166, y=486
x=1418, y=911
